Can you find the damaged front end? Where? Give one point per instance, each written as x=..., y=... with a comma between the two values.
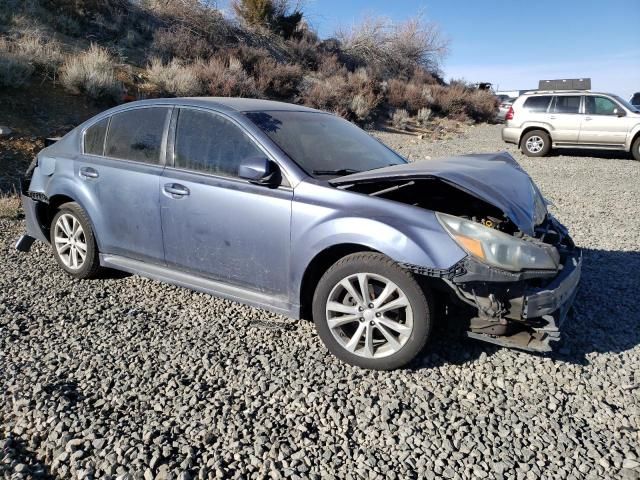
x=524, y=309
x=522, y=269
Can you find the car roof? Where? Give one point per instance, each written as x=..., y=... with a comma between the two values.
x=225, y=103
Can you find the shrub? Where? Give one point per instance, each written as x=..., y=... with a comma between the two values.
x=276, y=15
x=411, y=96
x=179, y=42
x=91, y=72
x=423, y=116
x=174, y=78
x=15, y=70
x=45, y=54
x=394, y=49
x=459, y=101
x=400, y=119
x=353, y=95
x=226, y=77
x=277, y=80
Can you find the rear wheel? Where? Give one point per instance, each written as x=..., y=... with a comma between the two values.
x=635, y=149
x=372, y=313
x=536, y=143
x=73, y=242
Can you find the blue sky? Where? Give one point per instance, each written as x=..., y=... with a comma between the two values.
x=513, y=43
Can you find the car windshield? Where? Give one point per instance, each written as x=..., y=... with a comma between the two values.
x=324, y=145
x=626, y=104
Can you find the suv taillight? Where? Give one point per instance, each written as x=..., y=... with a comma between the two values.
x=509, y=115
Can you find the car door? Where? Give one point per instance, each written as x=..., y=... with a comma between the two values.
x=602, y=124
x=565, y=118
x=121, y=164
x=214, y=223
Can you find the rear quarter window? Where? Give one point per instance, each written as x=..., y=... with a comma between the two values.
x=94, y=137
x=537, y=104
x=137, y=134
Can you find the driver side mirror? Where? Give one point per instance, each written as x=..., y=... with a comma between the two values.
x=260, y=171
x=619, y=112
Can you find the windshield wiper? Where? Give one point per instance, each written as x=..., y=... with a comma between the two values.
x=339, y=171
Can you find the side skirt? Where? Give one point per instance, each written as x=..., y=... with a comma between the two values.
x=200, y=284
x=593, y=146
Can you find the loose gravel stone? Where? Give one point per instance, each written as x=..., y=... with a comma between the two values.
x=124, y=377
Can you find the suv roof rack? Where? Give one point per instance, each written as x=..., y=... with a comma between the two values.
x=530, y=92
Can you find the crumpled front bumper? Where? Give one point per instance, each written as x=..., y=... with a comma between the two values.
x=531, y=317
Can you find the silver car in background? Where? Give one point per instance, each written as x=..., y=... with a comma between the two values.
x=541, y=120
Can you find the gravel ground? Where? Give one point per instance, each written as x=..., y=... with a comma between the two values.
x=126, y=377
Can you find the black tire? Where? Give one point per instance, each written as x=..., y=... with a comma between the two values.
x=635, y=148
x=539, y=148
x=91, y=264
x=419, y=299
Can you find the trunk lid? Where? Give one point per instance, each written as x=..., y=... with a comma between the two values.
x=495, y=178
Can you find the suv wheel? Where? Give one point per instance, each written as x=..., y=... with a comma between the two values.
x=635, y=149
x=536, y=143
x=371, y=313
x=73, y=242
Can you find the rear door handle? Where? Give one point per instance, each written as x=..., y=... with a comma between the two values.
x=88, y=172
x=176, y=189
x=552, y=117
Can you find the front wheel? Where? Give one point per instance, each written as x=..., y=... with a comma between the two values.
x=73, y=242
x=371, y=313
x=635, y=149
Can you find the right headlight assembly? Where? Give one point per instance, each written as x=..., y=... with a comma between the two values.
x=496, y=248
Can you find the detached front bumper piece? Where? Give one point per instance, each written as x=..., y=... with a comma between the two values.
x=543, y=311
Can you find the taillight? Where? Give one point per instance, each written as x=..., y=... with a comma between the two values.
x=509, y=115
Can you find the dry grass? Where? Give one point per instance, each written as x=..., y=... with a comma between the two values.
x=352, y=95
x=226, y=77
x=174, y=78
x=400, y=119
x=277, y=80
x=92, y=73
x=460, y=101
x=9, y=206
x=22, y=56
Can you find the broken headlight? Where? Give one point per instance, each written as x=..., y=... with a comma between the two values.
x=539, y=205
x=497, y=248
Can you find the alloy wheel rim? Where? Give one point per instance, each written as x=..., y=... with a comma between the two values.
x=70, y=241
x=369, y=315
x=535, y=144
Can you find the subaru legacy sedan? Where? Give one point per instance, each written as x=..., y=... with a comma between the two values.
x=300, y=212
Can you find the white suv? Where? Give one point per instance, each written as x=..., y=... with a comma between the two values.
x=541, y=120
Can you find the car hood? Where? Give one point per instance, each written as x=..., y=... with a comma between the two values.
x=495, y=178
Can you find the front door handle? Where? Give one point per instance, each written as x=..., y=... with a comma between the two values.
x=587, y=119
x=176, y=189
x=552, y=117
x=89, y=172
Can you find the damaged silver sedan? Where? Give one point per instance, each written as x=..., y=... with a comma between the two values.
x=300, y=212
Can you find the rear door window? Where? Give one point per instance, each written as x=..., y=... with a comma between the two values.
x=94, y=137
x=137, y=134
x=537, y=104
x=567, y=104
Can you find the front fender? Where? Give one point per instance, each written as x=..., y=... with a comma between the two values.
x=405, y=233
x=632, y=134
